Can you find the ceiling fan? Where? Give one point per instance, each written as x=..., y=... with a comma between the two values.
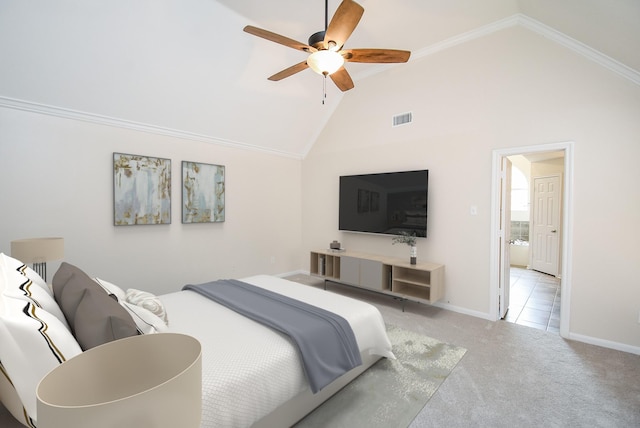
x=326, y=55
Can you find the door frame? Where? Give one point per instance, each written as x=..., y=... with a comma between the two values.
x=504, y=237
x=567, y=227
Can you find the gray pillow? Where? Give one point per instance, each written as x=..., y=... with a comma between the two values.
x=93, y=316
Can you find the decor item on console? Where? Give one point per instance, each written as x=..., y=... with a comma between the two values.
x=202, y=193
x=141, y=190
x=38, y=251
x=410, y=240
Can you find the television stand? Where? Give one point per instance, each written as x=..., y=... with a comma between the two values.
x=402, y=300
x=422, y=282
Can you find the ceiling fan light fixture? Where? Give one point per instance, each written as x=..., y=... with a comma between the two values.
x=325, y=62
x=325, y=54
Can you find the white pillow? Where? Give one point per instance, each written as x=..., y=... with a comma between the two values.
x=34, y=342
x=147, y=301
x=146, y=320
x=19, y=285
x=111, y=289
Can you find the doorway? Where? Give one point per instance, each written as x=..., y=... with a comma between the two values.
x=501, y=271
x=536, y=299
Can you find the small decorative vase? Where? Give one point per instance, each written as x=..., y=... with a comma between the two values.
x=413, y=254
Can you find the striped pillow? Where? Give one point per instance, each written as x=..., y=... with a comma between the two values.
x=11, y=263
x=34, y=341
x=27, y=285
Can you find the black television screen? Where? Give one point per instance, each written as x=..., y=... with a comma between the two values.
x=388, y=203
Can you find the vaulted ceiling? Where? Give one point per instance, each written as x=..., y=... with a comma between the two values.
x=186, y=67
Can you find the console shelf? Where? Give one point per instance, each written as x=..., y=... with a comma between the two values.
x=422, y=282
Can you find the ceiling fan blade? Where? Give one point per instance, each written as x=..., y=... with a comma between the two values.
x=375, y=55
x=342, y=79
x=289, y=71
x=277, y=38
x=343, y=23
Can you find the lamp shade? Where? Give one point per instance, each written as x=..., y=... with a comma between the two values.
x=152, y=380
x=325, y=61
x=37, y=250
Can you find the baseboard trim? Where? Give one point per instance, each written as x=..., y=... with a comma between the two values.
x=605, y=343
x=464, y=311
x=486, y=316
x=572, y=336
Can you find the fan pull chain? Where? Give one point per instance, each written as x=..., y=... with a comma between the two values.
x=324, y=88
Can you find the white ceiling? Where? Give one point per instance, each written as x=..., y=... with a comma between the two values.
x=186, y=67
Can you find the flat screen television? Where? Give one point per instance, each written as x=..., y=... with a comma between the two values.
x=388, y=203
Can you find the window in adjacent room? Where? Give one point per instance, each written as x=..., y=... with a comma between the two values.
x=520, y=203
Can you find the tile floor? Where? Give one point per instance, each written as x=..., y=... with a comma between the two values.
x=534, y=300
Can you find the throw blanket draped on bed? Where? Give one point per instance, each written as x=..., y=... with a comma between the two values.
x=325, y=340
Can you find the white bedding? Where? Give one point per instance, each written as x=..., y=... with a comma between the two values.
x=248, y=370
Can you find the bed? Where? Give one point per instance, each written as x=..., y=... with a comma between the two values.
x=252, y=375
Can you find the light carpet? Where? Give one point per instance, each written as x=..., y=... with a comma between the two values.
x=392, y=392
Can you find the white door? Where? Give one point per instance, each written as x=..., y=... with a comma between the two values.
x=545, y=239
x=504, y=236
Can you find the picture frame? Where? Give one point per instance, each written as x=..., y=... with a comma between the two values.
x=141, y=190
x=203, y=192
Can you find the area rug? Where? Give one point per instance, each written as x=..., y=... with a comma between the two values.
x=392, y=392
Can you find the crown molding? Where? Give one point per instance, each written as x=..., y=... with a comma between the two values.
x=511, y=21
x=459, y=39
x=485, y=30
x=579, y=47
x=66, y=113
x=525, y=22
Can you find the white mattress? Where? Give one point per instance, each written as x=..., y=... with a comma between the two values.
x=249, y=370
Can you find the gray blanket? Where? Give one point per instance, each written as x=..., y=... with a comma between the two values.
x=325, y=341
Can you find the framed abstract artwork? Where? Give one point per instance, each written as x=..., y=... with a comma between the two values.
x=141, y=190
x=203, y=189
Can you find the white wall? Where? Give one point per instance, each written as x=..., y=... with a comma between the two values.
x=185, y=65
x=57, y=180
x=508, y=89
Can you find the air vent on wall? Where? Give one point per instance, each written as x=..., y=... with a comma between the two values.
x=402, y=119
